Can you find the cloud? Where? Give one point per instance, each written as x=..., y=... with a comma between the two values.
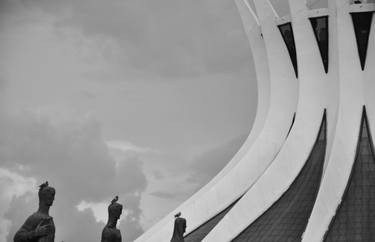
x=164, y=195
x=157, y=174
x=165, y=38
x=197, y=172
x=74, y=158
x=73, y=55
x=206, y=165
x=11, y=185
x=180, y=181
x=130, y=226
x=99, y=210
x=126, y=146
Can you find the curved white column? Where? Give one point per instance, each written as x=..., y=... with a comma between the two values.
x=313, y=99
x=283, y=100
x=369, y=77
x=333, y=80
x=343, y=150
x=253, y=32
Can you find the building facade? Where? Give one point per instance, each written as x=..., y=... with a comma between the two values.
x=307, y=170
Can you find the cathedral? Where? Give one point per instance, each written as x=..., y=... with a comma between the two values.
x=306, y=172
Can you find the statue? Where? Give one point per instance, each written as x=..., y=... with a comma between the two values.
x=110, y=232
x=179, y=228
x=39, y=226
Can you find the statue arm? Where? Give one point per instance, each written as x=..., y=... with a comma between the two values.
x=34, y=227
x=26, y=232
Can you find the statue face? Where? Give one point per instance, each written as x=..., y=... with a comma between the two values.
x=118, y=213
x=48, y=196
x=115, y=211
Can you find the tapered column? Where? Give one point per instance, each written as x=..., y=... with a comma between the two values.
x=313, y=99
x=343, y=149
x=282, y=107
x=369, y=77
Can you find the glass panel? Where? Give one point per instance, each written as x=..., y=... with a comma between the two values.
x=355, y=218
x=362, y=25
x=203, y=230
x=287, y=218
x=287, y=33
x=320, y=27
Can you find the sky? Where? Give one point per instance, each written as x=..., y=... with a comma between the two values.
x=143, y=99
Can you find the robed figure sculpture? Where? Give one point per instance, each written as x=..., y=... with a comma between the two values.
x=179, y=228
x=39, y=226
x=110, y=232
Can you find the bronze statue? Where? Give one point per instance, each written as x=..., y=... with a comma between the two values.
x=39, y=226
x=110, y=232
x=179, y=228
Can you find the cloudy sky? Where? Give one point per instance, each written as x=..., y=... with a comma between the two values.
x=143, y=99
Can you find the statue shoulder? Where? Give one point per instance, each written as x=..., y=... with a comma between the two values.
x=118, y=235
x=181, y=220
x=34, y=219
x=107, y=232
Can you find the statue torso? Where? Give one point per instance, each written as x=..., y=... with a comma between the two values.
x=179, y=230
x=111, y=235
x=23, y=234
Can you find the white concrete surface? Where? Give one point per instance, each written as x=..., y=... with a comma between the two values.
x=313, y=99
x=283, y=100
x=351, y=101
x=269, y=161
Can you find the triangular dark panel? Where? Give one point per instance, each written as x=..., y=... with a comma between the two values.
x=288, y=36
x=287, y=218
x=362, y=25
x=355, y=217
x=203, y=230
x=320, y=27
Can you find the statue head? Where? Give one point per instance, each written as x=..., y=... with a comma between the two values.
x=115, y=209
x=177, y=215
x=46, y=194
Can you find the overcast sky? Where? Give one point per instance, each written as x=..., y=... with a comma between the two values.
x=143, y=99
